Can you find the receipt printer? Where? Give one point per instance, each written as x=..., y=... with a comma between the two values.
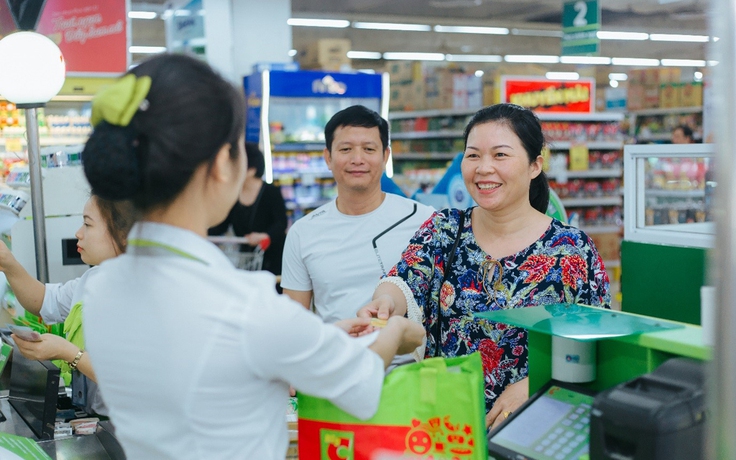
x=660, y=415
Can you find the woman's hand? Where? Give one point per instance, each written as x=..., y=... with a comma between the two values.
x=412, y=336
x=355, y=326
x=51, y=346
x=512, y=397
x=381, y=307
x=255, y=238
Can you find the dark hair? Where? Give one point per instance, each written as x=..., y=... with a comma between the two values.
x=360, y=116
x=525, y=124
x=686, y=131
x=119, y=217
x=255, y=158
x=190, y=114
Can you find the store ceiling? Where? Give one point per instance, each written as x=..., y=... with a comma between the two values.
x=650, y=16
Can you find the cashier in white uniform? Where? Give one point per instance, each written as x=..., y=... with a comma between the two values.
x=195, y=357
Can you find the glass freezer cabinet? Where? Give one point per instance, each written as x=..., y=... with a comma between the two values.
x=668, y=192
x=286, y=114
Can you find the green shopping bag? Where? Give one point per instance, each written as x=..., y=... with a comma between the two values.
x=432, y=409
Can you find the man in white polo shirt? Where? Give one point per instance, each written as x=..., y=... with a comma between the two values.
x=334, y=256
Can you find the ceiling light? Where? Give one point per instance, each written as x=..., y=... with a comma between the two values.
x=678, y=38
x=454, y=3
x=474, y=58
x=182, y=13
x=585, y=60
x=537, y=33
x=712, y=63
x=609, y=35
x=682, y=62
x=479, y=73
x=532, y=59
x=635, y=61
x=562, y=76
x=698, y=76
x=364, y=55
x=472, y=30
x=142, y=14
x=414, y=56
x=392, y=26
x=147, y=49
x=618, y=76
x=305, y=22
x=613, y=83
x=292, y=53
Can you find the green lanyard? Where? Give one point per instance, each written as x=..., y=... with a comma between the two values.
x=154, y=248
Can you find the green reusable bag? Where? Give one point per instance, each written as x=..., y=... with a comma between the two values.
x=433, y=409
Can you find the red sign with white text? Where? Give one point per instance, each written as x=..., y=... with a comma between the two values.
x=542, y=95
x=92, y=34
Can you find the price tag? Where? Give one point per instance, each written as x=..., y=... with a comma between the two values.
x=546, y=157
x=578, y=157
x=13, y=145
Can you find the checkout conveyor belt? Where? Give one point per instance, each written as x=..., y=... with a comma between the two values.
x=100, y=446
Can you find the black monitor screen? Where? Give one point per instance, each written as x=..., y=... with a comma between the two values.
x=554, y=424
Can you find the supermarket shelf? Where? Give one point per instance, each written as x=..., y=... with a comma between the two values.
x=590, y=174
x=543, y=116
x=674, y=193
x=425, y=156
x=598, y=229
x=655, y=137
x=594, y=201
x=668, y=111
x=45, y=141
x=441, y=134
x=431, y=113
x=298, y=147
x=592, y=145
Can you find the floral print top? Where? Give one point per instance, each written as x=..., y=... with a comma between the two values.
x=562, y=266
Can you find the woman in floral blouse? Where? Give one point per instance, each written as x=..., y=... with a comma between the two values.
x=510, y=255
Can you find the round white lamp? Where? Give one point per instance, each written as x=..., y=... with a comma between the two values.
x=32, y=71
x=32, y=68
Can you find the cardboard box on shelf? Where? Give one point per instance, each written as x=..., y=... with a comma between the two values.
x=608, y=245
x=691, y=94
x=669, y=95
x=670, y=75
x=405, y=71
x=327, y=54
x=651, y=96
x=635, y=96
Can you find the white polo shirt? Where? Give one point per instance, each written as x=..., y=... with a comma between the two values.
x=195, y=357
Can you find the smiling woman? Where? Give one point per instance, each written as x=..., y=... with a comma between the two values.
x=510, y=255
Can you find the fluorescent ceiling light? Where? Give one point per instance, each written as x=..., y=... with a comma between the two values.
x=292, y=53
x=562, y=76
x=182, y=13
x=472, y=30
x=537, y=33
x=683, y=62
x=678, y=38
x=479, y=73
x=610, y=35
x=142, y=14
x=618, y=76
x=414, y=56
x=147, y=49
x=474, y=58
x=585, y=60
x=305, y=22
x=613, y=83
x=635, y=61
x=712, y=63
x=698, y=76
x=364, y=55
x=532, y=59
x=392, y=26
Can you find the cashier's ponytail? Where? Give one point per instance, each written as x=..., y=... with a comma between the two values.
x=525, y=124
x=186, y=117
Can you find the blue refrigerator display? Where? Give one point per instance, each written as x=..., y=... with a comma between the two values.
x=287, y=112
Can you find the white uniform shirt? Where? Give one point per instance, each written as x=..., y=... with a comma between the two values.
x=332, y=254
x=195, y=357
x=59, y=298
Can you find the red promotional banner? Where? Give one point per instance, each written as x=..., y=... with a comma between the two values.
x=542, y=95
x=92, y=34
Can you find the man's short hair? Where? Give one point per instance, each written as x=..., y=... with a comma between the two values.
x=359, y=116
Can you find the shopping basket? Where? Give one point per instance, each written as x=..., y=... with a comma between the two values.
x=232, y=246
